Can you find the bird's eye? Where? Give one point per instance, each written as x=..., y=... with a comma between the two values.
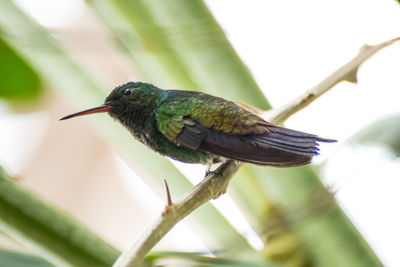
x=127, y=92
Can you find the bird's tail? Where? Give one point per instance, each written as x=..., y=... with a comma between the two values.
x=291, y=140
x=279, y=147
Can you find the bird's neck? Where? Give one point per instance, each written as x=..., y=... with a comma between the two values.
x=135, y=113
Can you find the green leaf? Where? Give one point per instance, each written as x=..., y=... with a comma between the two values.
x=11, y=259
x=17, y=79
x=186, y=41
x=48, y=231
x=384, y=132
x=315, y=216
x=144, y=42
x=199, y=259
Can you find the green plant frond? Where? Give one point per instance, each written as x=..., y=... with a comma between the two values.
x=198, y=259
x=11, y=259
x=18, y=81
x=383, y=132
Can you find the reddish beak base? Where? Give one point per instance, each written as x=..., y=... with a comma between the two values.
x=103, y=108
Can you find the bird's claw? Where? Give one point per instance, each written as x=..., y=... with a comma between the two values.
x=208, y=172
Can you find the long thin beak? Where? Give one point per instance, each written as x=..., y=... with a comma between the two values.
x=103, y=108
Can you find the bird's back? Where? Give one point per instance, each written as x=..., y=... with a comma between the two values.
x=214, y=125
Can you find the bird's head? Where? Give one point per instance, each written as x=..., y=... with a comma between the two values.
x=123, y=98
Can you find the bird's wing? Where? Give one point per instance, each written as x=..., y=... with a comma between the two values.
x=212, y=112
x=255, y=140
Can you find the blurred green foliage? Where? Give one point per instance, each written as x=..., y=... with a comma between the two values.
x=383, y=132
x=17, y=79
x=196, y=259
x=47, y=230
x=14, y=259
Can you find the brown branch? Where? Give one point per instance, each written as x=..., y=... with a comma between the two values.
x=216, y=184
x=211, y=187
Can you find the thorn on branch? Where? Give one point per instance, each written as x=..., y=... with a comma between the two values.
x=169, y=199
x=351, y=77
x=307, y=98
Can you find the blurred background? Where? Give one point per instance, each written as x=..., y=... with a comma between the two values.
x=82, y=166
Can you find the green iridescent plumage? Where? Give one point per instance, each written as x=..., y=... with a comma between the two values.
x=212, y=112
x=199, y=128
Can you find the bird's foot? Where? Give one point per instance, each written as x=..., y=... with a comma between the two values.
x=209, y=172
x=214, y=164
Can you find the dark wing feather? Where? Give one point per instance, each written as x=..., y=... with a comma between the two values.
x=277, y=147
x=192, y=136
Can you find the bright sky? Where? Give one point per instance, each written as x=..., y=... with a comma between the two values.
x=290, y=46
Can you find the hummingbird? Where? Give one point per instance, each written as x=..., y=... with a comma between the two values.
x=196, y=127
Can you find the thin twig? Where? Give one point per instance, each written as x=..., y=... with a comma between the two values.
x=348, y=72
x=216, y=184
